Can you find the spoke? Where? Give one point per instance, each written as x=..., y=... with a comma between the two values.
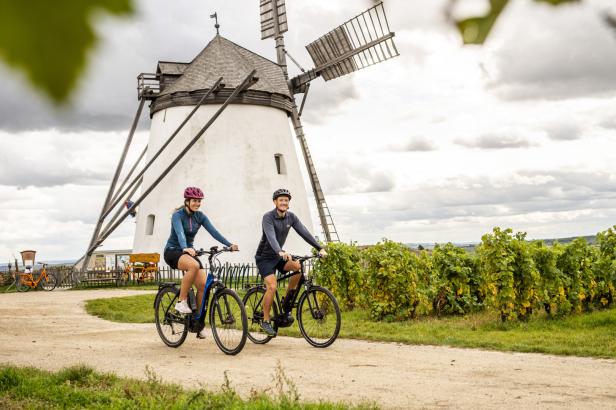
x=228, y=321
x=318, y=316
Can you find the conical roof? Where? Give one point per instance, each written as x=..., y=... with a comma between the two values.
x=224, y=58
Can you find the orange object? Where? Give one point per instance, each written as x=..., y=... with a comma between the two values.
x=26, y=280
x=142, y=267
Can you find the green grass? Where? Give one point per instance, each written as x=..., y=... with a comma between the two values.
x=80, y=387
x=112, y=285
x=592, y=334
x=125, y=309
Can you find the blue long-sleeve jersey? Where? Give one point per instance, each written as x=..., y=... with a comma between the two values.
x=184, y=227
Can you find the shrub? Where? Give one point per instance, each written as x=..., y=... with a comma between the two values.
x=510, y=273
x=605, y=267
x=576, y=262
x=341, y=273
x=455, y=280
x=552, y=282
x=391, y=281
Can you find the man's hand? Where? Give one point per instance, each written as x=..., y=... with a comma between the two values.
x=234, y=248
x=322, y=253
x=285, y=256
x=190, y=251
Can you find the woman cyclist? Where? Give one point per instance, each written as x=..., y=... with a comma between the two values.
x=179, y=252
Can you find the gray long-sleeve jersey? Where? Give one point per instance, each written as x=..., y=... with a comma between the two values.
x=276, y=229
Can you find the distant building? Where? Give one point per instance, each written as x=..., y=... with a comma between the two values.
x=107, y=260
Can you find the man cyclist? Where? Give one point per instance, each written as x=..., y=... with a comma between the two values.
x=270, y=256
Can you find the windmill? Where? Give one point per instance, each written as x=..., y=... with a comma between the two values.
x=362, y=41
x=249, y=150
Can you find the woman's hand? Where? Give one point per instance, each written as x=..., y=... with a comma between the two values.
x=322, y=253
x=190, y=251
x=234, y=248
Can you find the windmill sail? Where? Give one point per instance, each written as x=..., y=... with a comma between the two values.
x=362, y=41
x=268, y=21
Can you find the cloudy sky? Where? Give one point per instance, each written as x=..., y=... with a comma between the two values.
x=439, y=144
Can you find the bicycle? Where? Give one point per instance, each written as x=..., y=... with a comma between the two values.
x=227, y=315
x=318, y=313
x=25, y=281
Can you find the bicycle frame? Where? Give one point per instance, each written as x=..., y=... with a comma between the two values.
x=31, y=282
x=212, y=282
x=305, y=280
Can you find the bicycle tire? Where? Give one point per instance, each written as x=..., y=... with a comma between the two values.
x=49, y=283
x=167, y=318
x=226, y=306
x=315, y=306
x=253, y=303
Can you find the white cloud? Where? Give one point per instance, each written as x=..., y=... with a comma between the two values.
x=558, y=52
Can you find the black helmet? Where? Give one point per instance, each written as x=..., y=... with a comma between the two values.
x=281, y=192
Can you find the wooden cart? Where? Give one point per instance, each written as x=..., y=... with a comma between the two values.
x=142, y=267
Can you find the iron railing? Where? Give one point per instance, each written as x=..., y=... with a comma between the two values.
x=235, y=276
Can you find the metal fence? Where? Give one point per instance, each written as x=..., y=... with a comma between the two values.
x=235, y=276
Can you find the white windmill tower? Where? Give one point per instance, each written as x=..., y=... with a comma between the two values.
x=248, y=151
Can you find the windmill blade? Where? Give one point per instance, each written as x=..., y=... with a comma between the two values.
x=362, y=41
x=268, y=20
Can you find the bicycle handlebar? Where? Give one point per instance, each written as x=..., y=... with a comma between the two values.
x=305, y=257
x=213, y=251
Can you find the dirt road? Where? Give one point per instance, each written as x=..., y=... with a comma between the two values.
x=51, y=330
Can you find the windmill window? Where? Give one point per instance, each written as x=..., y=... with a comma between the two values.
x=281, y=168
x=149, y=226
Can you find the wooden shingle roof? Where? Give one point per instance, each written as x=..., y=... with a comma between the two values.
x=224, y=58
x=171, y=68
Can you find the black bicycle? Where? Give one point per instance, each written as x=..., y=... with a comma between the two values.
x=318, y=313
x=227, y=315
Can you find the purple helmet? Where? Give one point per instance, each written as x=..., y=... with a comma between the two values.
x=192, y=192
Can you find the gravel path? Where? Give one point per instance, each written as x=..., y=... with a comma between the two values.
x=51, y=330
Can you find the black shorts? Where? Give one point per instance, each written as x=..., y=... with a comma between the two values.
x=268, y=265
x=172, y=256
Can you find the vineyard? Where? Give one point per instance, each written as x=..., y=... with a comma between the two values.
x=507, y=274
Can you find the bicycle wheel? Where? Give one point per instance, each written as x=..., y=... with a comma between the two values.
x=228, y=321
x=253, y=302
x=318, y=316
x=49, y=282
x=21, y=283
x=172, y=326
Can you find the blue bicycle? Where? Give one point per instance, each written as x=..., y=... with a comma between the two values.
x=227, y=315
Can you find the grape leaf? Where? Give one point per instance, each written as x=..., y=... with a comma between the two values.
x=475, y=30
x=49, y=40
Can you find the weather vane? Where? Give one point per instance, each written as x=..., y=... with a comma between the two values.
x=215, y=16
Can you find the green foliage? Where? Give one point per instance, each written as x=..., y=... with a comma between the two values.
x=575, y=262
x=605, y=267
x=341, y=273
x=475, y=30
x=455, y=280
x=391, y=281
x=509, y=270
x=552, y=282
x=425, y=283
x=49, y=40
